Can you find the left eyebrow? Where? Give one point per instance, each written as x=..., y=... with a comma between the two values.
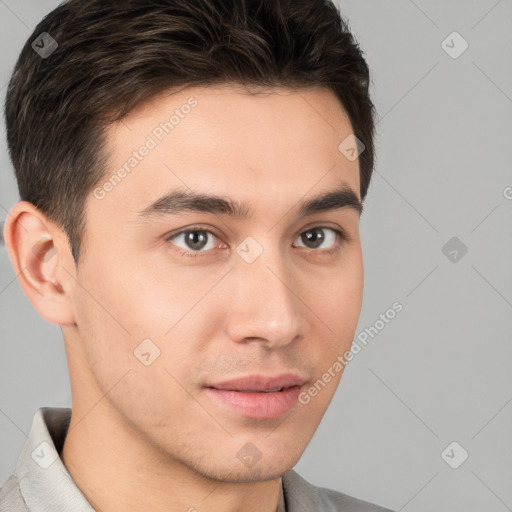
x=343, y=197
x=179, y=201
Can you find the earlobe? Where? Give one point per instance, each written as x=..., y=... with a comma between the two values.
x=36, y=252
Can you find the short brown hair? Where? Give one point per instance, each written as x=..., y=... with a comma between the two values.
x=113, y=54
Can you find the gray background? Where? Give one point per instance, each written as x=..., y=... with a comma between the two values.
x=440, y=370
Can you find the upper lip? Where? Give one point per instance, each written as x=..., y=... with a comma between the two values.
x=260, y=382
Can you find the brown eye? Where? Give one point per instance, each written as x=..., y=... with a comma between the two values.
x=321, y=237
x=193, y=241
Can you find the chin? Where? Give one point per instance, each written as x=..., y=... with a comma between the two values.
x=233, y=470
x=242, y=475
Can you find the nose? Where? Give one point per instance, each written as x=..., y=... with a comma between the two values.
x=263, y=305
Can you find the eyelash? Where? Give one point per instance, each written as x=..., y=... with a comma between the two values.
x=342, y=238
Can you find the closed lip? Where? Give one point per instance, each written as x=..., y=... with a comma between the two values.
x=260, y=383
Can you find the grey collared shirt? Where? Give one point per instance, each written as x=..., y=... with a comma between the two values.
x=41, y=482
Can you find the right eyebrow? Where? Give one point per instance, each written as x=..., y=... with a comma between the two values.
x=179, y=201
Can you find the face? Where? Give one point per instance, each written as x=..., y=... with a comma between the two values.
x=178, y=296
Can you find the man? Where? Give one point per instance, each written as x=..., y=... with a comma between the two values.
x=192, y=176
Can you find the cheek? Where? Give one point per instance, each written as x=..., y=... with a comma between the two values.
x=336, y=306
x=104, y=335
x=113, y=314
x=130, y=359
x=338, y=298
x=129, y=314
x=133, y=296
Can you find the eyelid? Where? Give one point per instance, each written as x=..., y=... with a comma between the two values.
x=340, y=231
x=189, y=229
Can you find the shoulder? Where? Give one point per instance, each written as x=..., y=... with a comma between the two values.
x=302, y=495
x=10, y=497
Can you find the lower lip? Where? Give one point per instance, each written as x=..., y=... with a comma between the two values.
x=259, y=405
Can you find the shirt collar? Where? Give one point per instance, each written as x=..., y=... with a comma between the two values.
x=45, y=483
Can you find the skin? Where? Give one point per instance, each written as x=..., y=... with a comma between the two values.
x=149, y=437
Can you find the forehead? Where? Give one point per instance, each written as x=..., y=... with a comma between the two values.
x=277, y=144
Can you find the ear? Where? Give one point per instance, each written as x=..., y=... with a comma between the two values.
x=41, y=256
